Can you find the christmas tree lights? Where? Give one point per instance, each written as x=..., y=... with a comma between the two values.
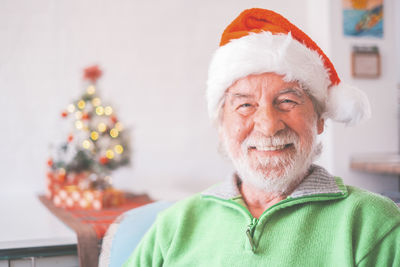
x=96, y=144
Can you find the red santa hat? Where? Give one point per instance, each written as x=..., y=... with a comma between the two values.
x=260, y=41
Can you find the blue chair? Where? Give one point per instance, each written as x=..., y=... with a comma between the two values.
x=126, y=231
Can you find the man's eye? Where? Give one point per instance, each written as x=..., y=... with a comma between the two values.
x=245, y=109
x=287, y=104
x=246, y=105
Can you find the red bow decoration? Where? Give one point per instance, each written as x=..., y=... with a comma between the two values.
x=92, y=73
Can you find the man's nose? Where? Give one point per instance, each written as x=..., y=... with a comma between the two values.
x=268, y=121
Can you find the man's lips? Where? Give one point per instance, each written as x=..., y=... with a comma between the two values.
x=270, y=148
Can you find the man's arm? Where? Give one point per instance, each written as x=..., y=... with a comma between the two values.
x=384, y=253
x=148, y=252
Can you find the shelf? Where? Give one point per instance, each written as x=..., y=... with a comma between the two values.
x=49, y=251
x=377, y=163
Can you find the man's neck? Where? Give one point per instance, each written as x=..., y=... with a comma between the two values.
x=258, y=200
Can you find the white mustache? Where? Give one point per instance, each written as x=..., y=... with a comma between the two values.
x=278, y=141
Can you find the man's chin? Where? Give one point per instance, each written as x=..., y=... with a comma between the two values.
x=275, y=173
x=273, y=182
x=281, y=177
x=277, y=169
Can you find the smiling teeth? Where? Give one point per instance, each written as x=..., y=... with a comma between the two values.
x=270, y=148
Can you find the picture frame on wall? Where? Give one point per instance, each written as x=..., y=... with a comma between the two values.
x=363, y=18
x=366, y=62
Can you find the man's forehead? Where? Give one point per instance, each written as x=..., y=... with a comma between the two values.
x=248, y=90
x=254, y=81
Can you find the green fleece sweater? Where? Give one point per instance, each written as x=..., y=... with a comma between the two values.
x=322, y=223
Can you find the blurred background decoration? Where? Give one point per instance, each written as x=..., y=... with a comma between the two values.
x=80, y=166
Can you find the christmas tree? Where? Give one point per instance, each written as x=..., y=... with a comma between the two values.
x=96, y=144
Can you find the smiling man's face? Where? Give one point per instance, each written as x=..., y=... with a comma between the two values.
x=269, y=127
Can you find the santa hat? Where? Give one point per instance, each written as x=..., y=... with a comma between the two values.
x=260, y=41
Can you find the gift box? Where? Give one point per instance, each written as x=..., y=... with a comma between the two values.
x=57, y=179
x=71, y=197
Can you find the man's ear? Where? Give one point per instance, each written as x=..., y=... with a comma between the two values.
x=320, y=125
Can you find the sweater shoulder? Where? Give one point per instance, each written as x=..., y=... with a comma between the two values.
x=370, y=213
x=179, y=219
x=374, y=219
x=183, y=208
x=372, y=202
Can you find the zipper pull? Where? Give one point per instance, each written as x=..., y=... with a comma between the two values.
x=250, y=232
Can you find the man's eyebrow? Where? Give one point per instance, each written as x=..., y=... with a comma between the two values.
x=241, y=95
x=235, y=96
x=295, y=91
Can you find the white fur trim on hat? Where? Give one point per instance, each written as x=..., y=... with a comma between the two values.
x=263, y=52
x=347, y=104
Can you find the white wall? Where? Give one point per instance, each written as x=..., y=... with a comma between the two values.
x=318, y=28
x=155, y=56
x=397, y=33
x=380, y=133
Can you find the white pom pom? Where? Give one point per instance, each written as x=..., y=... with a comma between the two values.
x=347, y=104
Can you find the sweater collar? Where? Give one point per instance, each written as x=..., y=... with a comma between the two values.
x=319, y=181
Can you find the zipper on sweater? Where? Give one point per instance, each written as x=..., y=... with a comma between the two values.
x=251, y=227
x=250, y=233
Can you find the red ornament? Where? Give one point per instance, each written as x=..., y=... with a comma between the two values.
x=114, y=119
x=70, y=138
x=92, y=73
x=85, y=116
x=64, y=114
x=61, y=177
x=50, y=162
x=103, y=160
x=50, y=175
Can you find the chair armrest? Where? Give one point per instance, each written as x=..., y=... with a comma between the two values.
x=126, y=231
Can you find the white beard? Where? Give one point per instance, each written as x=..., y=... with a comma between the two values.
x=275, y=174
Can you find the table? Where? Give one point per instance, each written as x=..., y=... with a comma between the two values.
x=91, y=225
x=31, y=236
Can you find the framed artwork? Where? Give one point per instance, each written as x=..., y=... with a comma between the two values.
x=363, y=18
x=365, y=62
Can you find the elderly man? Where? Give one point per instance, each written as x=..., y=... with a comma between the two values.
x=270, y=89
